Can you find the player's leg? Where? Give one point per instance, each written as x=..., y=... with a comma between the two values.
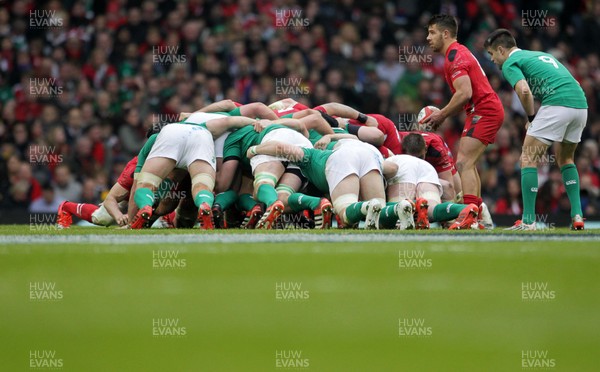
x=533, y=150
x=67, y=209
x=247, y=204
x=399, y=210
x=154, y=171
x=345, y=201
x=373, y=191
x=458, y=189
x=469, y=151
x=203, y=176
x=565, y=155
x=266, y=176
x=570, y=177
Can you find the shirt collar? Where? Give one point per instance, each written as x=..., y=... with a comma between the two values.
x=516, y=50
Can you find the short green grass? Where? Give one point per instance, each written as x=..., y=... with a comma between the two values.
x=45, y=229
x=467, y=294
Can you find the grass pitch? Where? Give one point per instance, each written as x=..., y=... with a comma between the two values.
x=105, y=299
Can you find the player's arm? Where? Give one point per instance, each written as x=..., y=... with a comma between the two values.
x=459, y=99
x=294, y=124
x=389, y=169
x=344, y=111
x=219, y=126
x=526, y=97
x=326, y=139
x=273, y=148
x=463, y=94
x=226, y=174
x=116, y=195
x=366, y=134
x=447, y=181
x=132, y=208
x=282, y=104
x=225, y=105
x=258, y=110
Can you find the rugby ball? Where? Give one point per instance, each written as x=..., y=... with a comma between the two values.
x=426, y=112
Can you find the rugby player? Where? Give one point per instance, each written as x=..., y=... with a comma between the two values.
x=353, y=169
x=472, y=92
x=561, y=118
x=416, y=179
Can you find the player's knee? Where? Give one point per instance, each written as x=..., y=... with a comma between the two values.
x=284, y=190
x=203, y=181
x=264, y=178
x=342, y=202
x=148, y=180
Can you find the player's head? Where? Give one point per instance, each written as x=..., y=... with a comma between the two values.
x=441, y=30
x=498, y=44
x=414, y=144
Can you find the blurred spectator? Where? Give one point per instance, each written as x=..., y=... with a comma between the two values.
x=389, y=68
x=510, y=203
x=65, y=185
x=118, y=66
x=47, y=203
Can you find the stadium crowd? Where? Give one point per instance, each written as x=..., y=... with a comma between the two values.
x=82, y=83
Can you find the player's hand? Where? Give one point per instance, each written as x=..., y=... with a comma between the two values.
x=261, y=124
x=122, y=220
x=184, y=115
x=435, y=120
x=371, y=122
x=323, y=142
x=251, y=152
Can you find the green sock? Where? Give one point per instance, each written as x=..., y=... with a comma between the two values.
x=204, y=196
x=266, y=194
x=529, y=188
x=355, y=213
x=570, y=178
x=446, y=211
x=300, y=202
x=246, y=202
x=388, y=218
x=226, y=199
x=143, y=197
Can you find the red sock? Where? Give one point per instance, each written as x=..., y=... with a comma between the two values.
x=470, y=199
x=81, y=210
x=479, y=201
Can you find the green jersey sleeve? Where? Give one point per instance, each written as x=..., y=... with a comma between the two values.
x=512, y=73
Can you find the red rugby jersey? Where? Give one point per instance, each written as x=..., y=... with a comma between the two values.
x=459, y=62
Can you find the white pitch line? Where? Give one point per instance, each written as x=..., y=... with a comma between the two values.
x=278, y=238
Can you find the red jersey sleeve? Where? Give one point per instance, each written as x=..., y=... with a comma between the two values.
x=457, y=65
x=390, y=132
x=126, y=177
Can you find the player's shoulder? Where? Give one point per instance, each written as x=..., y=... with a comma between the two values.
x=456, y=51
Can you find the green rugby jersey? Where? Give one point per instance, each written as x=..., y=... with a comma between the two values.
x=549, y=81
x=313, y=165
x=238, y=142
x=314, y=136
